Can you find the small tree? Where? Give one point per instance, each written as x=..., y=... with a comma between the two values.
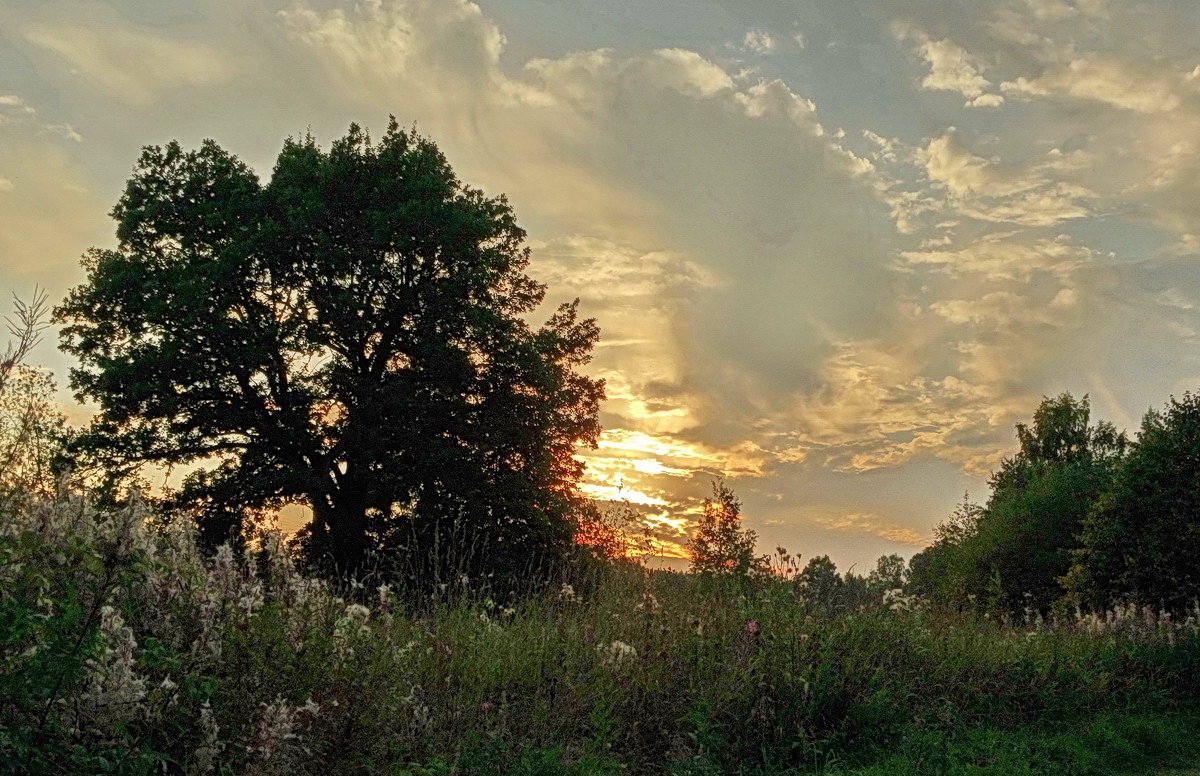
x=890, y=573
x=945, y=570
x=720, y=546
x=31, y=428
x=25, y=328
x=820, y=585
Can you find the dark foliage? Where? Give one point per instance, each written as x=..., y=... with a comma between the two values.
x=349, y=335
x=1013, y=553
x=1141, y=540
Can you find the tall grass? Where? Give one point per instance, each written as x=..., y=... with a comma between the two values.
x=127, y=651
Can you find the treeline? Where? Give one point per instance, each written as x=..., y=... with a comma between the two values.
x=723, y=551
x=1081, y=516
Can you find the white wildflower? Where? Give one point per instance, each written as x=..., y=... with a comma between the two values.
x=114, y=689
x=617, y=653
x=210, y=745
x=276, y=727
x=648, y=603
x=897, y=601
x=350, y=625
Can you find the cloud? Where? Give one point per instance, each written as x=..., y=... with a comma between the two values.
x=16, y=113
x=134, y=66
x=1103, y=80
x=991, y=190
x=761, y=42
x=998, y=256
x=874, y=525
x=951, y=68
x=986, y=101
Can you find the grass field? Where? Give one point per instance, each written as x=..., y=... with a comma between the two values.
x=126, y=651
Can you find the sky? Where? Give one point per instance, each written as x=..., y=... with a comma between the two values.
x=836, y=249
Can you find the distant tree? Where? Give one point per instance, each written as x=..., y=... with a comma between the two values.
x=1141, y=540
x=719, y=545
x=945, y=570
x=855, y=592
x=25, y=329
x=32, y=430
x=613, y=531
x=819, y=583
x=890, y=573
x=349, y=335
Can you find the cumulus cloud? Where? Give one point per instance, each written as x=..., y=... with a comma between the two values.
x=951, y=68
x=992, y=190
x=1096, y=78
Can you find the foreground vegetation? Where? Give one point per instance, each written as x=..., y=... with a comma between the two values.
x=125, y=650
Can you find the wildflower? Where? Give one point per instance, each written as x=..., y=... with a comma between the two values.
x=210, y=745
x=751, y=628
x=276, y=727
x=617, y=653
x=357, y=613
x=897, y=601
x=115, y=689
x=648, y=603
x=567, y=593
x=352, y=623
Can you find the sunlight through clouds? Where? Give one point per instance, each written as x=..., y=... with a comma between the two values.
x=830, y=246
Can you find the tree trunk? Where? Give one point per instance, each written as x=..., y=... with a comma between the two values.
x=340, y=532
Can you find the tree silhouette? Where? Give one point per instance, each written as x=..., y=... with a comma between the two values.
x=349, y=335
x=720, y=545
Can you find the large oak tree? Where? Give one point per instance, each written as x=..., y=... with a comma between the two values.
x=350, y=335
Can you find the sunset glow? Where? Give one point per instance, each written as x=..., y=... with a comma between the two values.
x=836, y=250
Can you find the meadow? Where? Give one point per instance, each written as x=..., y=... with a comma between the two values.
x=128, y=651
